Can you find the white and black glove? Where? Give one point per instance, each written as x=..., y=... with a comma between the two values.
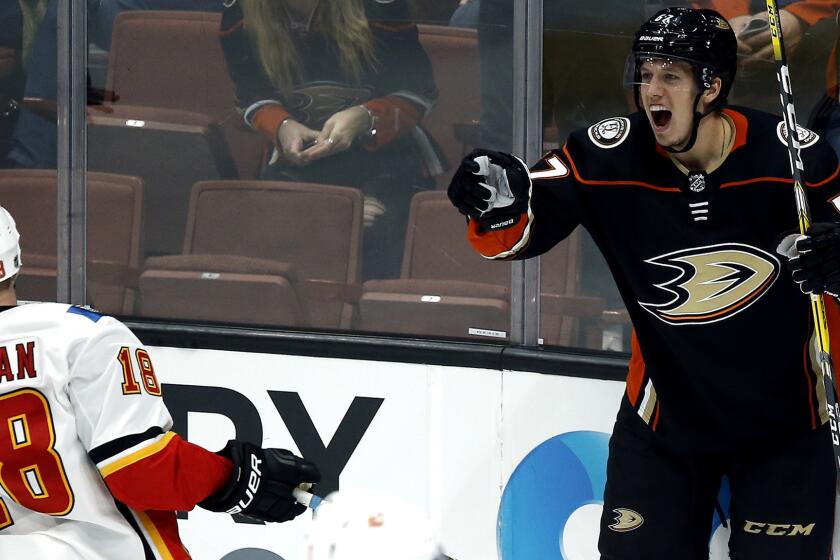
x=814, y=259
x=262, y=483
x=492, y=187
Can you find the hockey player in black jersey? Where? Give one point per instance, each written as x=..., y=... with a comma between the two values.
x=688, y=200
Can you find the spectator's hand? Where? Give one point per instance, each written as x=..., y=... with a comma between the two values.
x=738, y=25
x=262, y=483
x=339, y=132
x=372, y=209
x=757, y=46
x=292, y=140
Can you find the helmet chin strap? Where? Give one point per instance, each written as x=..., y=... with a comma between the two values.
x=698, y=116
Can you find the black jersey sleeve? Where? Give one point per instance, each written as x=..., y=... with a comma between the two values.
x=553, y=213
x=251, y=83
x=822, y=181
x=403, y=67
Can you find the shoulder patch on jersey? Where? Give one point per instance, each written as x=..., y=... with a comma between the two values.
x=806, y=137
x=609, y=133
x=85, y=312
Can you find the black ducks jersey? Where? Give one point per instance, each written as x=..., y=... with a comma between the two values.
x=723, y=347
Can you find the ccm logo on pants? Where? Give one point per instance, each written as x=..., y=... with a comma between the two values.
x=778, y=530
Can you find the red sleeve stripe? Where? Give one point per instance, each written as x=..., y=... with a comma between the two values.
x=134, y=454
x=161, y=528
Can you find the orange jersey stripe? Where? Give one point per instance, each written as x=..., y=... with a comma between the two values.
x=636, y=371
x=809, y=372
x=832, y=315
x=656, y=418
x=267, y=120
x=583, y=181
x=395, y=116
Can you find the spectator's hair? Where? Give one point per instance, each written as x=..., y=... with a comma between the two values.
x=343, y=21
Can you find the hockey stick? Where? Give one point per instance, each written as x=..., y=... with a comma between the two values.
x=797, y=167
x=305, y=498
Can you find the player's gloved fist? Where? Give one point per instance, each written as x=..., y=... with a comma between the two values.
x=492, y=187
x=814, y=259
x=262, y=483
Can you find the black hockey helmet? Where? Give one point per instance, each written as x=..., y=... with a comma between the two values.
x=702, y=38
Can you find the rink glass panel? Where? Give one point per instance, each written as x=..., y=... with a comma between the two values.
x=222, y=238
x=161, y=118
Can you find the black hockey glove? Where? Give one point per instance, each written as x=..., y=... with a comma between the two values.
x=492, y=187
x=262, y=483
x=814, y=259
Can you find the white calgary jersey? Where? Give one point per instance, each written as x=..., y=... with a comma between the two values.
x=78, y=395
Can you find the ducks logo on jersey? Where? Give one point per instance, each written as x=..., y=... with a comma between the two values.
x=713, y=283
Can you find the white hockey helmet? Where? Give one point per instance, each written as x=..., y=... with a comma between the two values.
x=350, y=525
x=9, y=246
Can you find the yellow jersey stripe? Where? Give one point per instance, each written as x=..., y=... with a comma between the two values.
x=154, y=534
x=137, y=455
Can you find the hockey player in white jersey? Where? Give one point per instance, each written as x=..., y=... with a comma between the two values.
x=89, y=466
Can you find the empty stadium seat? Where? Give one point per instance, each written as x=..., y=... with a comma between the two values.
x=11, y=91
x=173, y=60
x=453, y=52
x=434, y=11
x=262, y=252
x=171, y=150
x=446, y=289
x=172, y=119
x=113, y=230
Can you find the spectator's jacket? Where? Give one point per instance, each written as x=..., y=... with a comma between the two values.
x=399, y=89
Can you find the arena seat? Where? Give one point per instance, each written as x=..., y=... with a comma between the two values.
x=173, y=60
x=453, y=52
x=447, y=289
x=257, y=252
x=434, y=11
x=171, y=150
x=114, y=243
x=11, y=91
x=171, y=118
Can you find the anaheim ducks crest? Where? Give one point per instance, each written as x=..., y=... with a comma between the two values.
x=806, y=137
x=610, y=133
x=626, y=520
x=713, y=283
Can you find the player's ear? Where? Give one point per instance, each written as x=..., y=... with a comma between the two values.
x=713, y=91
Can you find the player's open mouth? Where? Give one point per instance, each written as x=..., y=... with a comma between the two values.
x=660, y=116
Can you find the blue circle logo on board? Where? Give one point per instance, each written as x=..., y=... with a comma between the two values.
x=553, y=481
x=556, y=479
